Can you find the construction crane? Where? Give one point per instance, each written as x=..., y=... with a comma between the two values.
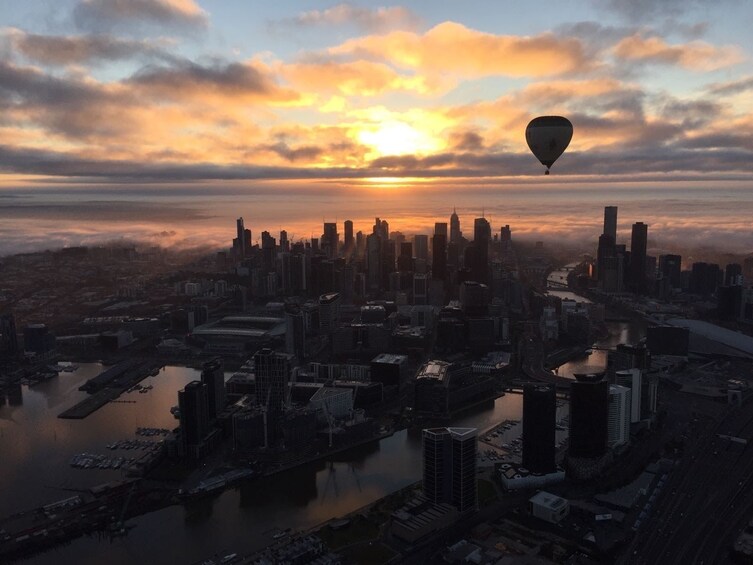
x=330, y=419
x=118, y=528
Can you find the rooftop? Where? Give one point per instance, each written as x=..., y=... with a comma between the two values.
x=390, y=358
x=435, y=370
x=548, y=499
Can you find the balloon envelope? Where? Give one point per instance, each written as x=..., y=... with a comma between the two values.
x=548, y=137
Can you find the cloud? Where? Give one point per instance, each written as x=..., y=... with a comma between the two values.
x=80, y=49
x=353, y=78
x=692, y=114
x=452, y=48
x=372, y=20
x=696, y=55
x=651, y=10
x=99, y=15
x=186, y=79
x=731, y=87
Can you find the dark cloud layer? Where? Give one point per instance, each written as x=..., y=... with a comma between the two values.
x=659, y=159
x=80, y=49
x=104, y=15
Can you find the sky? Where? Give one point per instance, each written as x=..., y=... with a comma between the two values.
x=364, y=96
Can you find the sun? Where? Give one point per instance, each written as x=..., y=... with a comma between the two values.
x=398, y=138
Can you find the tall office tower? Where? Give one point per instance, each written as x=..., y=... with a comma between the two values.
x=360, y=244
x=213, y=375
x=482, y=230
x=330, y=239
x=539, y=426
x=638, y=244
x=704, y=278
x=9, y=348
x=374, y=261
x=439, y=255
x=479, y=253
x=748, y=270
x=440, y=228
x=329, y=312
x=733, y=274
x=298, y=278
x=450, y=467
x=272, y=373
x=631, y=379
x=405, y=259
x=505, y=236
x=349, y=242
x=295, y=333
x=589, y=410
x=421, y=244
x=453, y=256
x=241, y=233
x=284, y=242
x=455, y=233
x=382, y=229
x=606, y=264
x=283, y=270
x=193, y=403
x=610, y=222
x=269, y=251
x=670, y=267
x=618, y=426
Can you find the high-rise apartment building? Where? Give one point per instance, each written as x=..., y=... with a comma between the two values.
x=638, y=245
x=193, y=404
x=539, y=427
x=589, y=409
x=213, y=375
x=272, y=374
x=450, y=467
x=610, y=222
x=618, y=426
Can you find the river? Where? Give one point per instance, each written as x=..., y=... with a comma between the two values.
x=36, y=447
x=619, y=333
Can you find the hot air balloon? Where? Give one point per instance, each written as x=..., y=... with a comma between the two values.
x=548, y=137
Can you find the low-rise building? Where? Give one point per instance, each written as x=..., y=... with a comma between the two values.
x=548, y=507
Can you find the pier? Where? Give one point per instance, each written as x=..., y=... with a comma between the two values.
x=124, y=378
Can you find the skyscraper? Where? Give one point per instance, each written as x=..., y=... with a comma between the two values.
x=479, y=252
x=589, y=409
x=9, y=348
x=670, y=267
x=539, y=426
x=638, y=245
x=295, y=333
x=242, y=242
x=610, y=222
x=330, y=239
x=421, y=244
x=213, y=375
x=455, y=233
x=631, y=379
x=349, y=242
x=439, y=251
x=272, y=373
x=374, y=260
x=450, y=467
x=505, y=236
x=193, y=404
x=618, y=426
